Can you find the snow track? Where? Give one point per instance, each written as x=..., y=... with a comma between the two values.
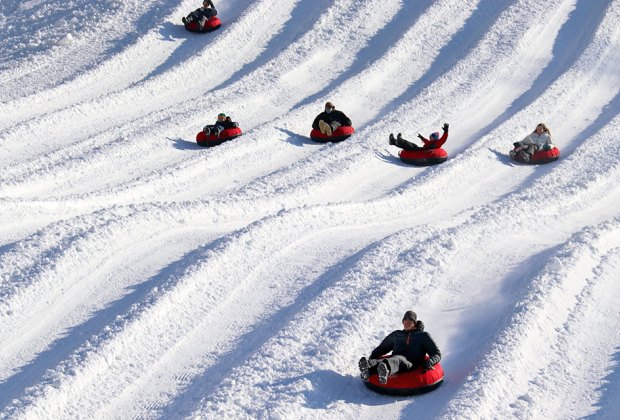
x=144, y=276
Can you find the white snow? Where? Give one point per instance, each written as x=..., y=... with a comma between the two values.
x=142, y=276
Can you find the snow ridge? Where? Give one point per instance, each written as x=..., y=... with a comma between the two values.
x=144, y=276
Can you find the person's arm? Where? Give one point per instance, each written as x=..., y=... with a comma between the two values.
x=527, y=140
x=443, y=138
x=426, y=141
x=385, y=347
x=432, y=350
x=343, y=119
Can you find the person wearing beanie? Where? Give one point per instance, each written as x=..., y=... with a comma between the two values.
x=433, y=141
x=223, y=122
x=539, y=139
x=202, y=14
x=409, y=348
x=329, y=120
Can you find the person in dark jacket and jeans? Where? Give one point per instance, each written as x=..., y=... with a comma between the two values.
x=409, y=348
x=329, y=120
x=223, y=122
x=202, y=14
x=433, y=142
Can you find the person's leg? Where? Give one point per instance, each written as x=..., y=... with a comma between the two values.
x=391, y=366
x=325, y=128
x=398, y=363
x=217, y=130
x=527, y=152
x=406, y=144
x=322, y=126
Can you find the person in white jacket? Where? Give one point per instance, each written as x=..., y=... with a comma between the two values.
x=539, y=139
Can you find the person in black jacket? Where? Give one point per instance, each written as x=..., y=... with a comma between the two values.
x=409, y=348
x=223, y=122
x=202, y=14
x=329, y=120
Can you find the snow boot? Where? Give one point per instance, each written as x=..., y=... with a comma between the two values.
x=513, y=153
x=364, y=369
x=392, y=140
x=525, y=157
x=383, y=371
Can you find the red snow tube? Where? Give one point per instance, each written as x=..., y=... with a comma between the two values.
x=212, y=140
x=424, y=157
x=211, y=25
x=408, y=383
x=541, y=156
x=341, y=133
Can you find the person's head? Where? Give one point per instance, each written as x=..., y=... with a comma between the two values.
x=206, y=3
x=221, y=116
x=329, y=107
x=410, y=320
x=434, y=136
x=541, y=128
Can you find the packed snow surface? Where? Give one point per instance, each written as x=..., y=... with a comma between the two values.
x=143, y=276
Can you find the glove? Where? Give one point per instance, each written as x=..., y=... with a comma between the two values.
x=420, y=136
x=427, y=366
x=335, y=125
x=445, y=127
x=547, y=147
x=236, y=125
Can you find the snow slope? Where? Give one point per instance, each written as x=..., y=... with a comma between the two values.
x=143, y=276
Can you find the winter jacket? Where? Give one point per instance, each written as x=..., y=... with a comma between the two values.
x=537, y=140
x=334, y=115
x=203, y=13
x=414, y=345
x=435, y=144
